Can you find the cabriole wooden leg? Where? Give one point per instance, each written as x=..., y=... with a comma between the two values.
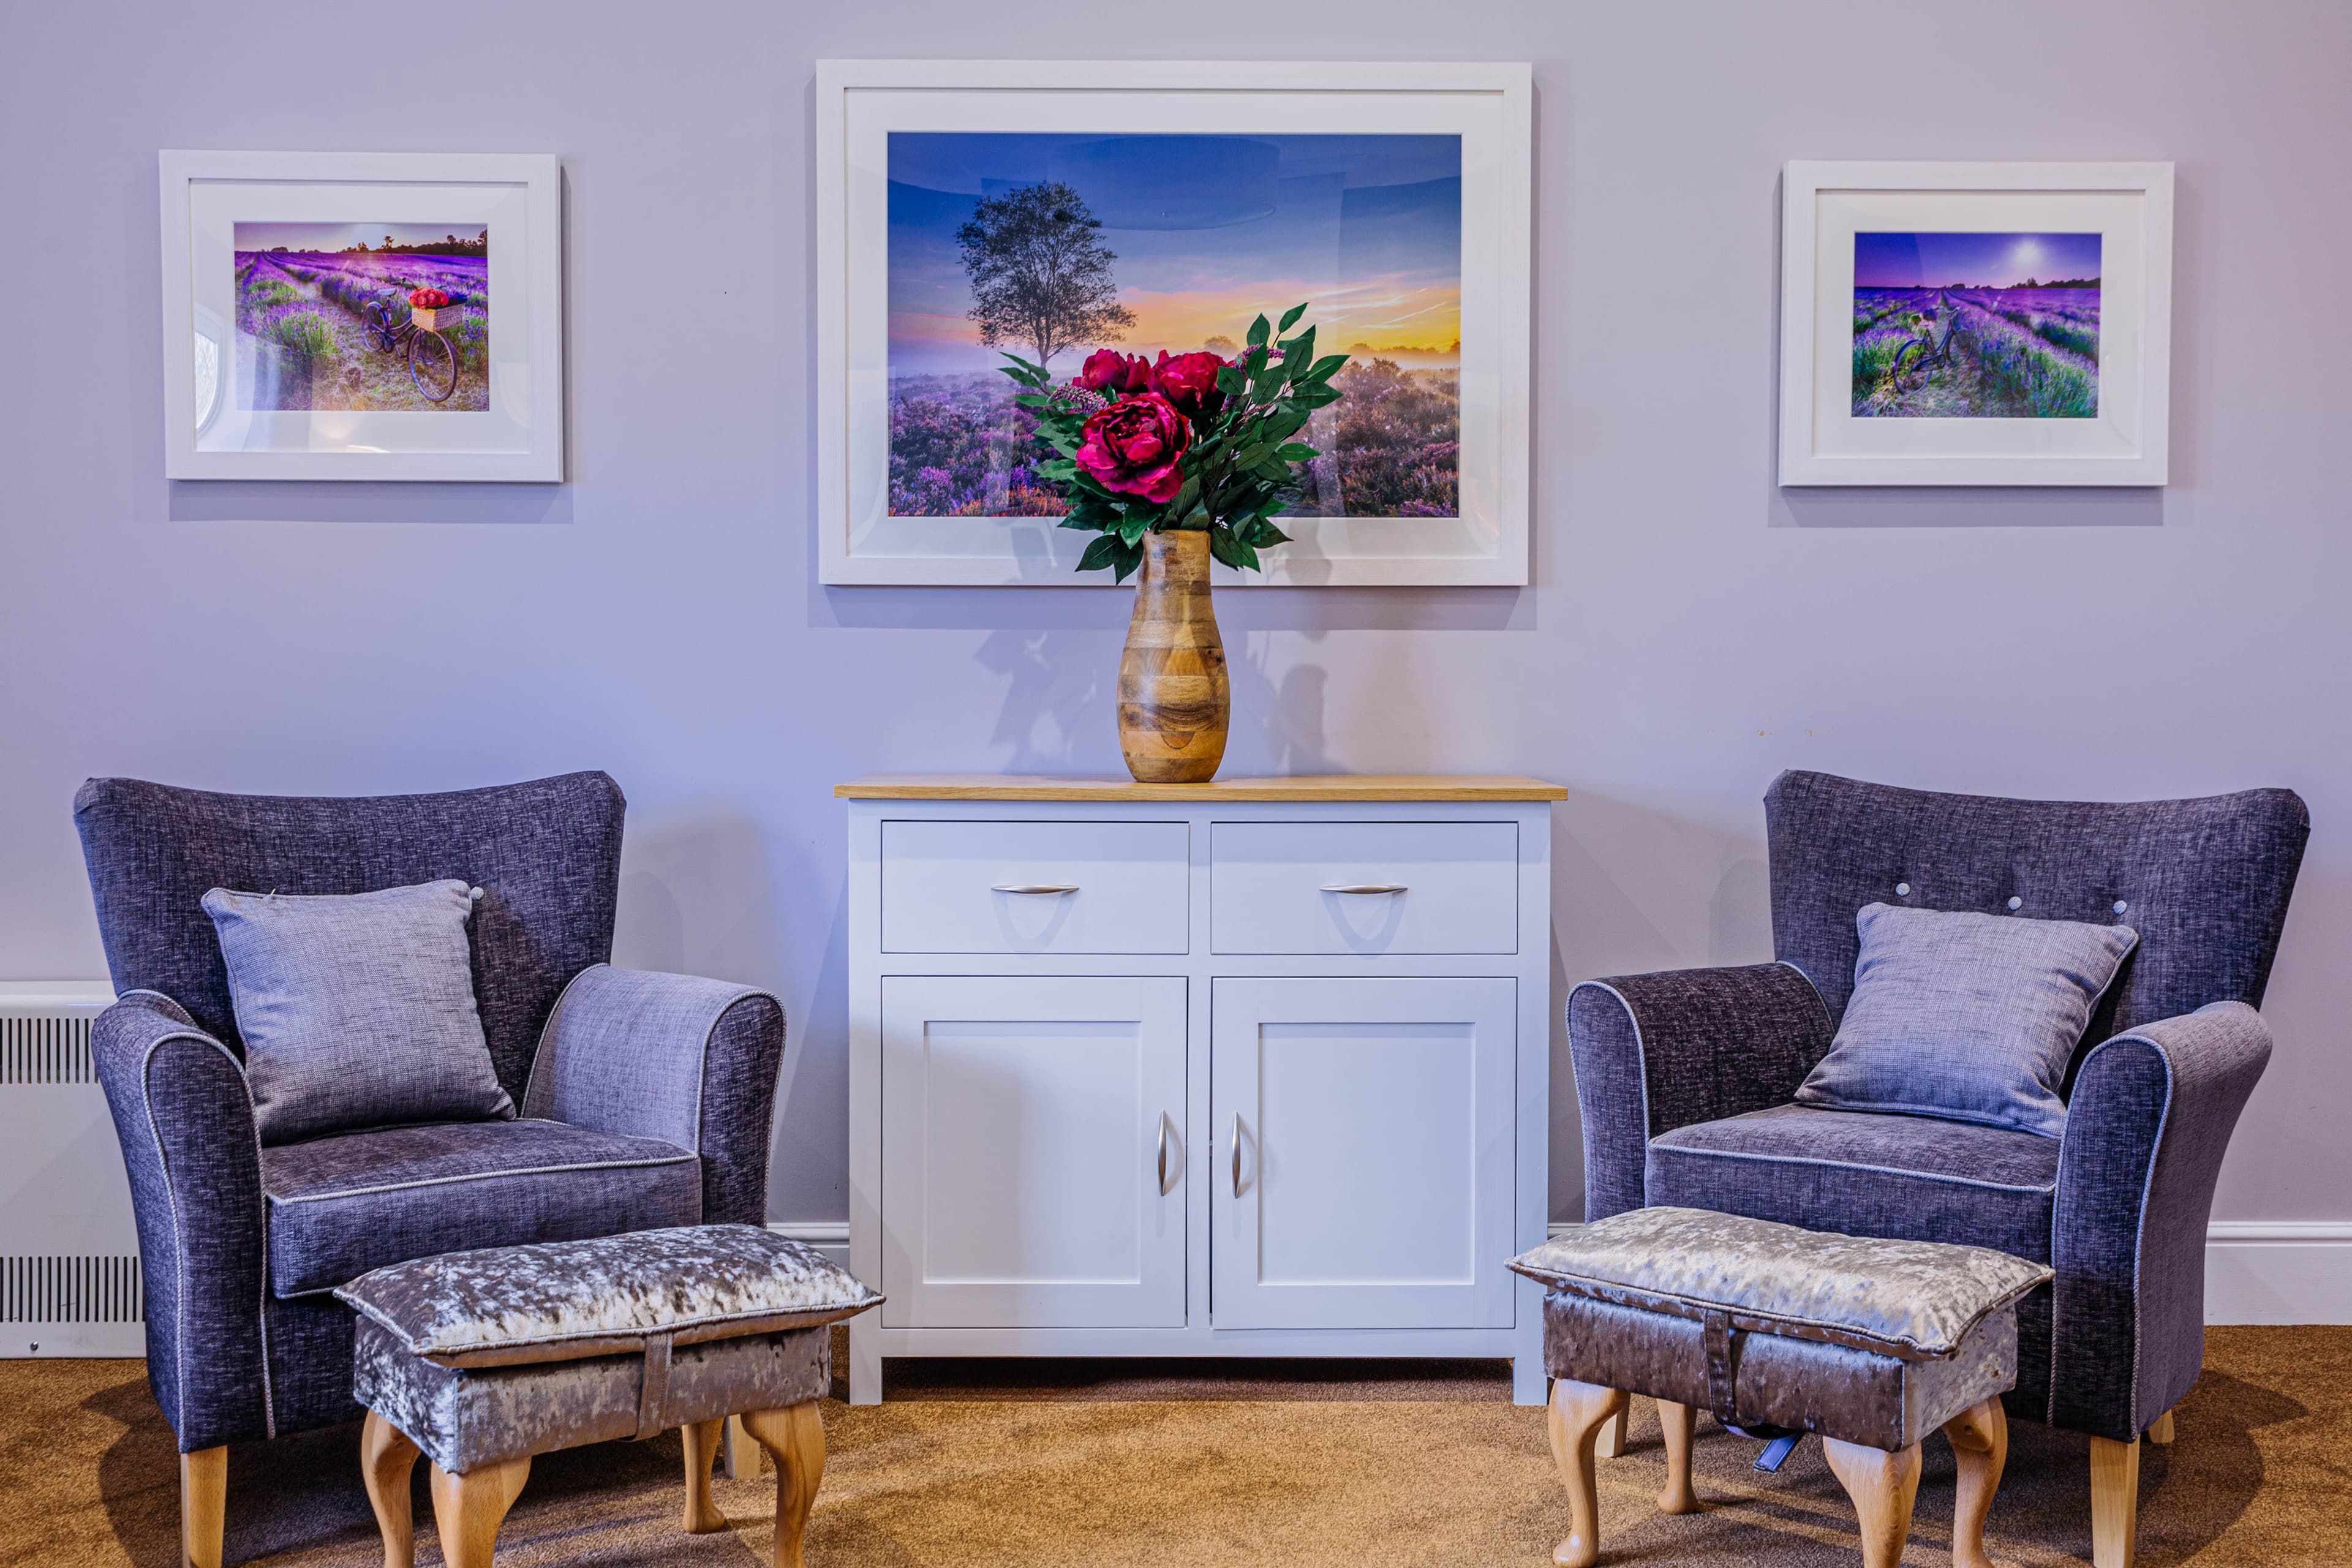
x=1678, y=1422
x=1608, y=1442
x=1979, y=1437
x=387, y=1460
x=204, y=1506
x=469, y=1508
x=794, y=1437
x=2159, y=1431
x=1578, y=1412
x=2114, y=1502
x=1883, y=1485
x=702, y=1440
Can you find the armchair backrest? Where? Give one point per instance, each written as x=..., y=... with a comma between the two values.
x=2205, y=882
x=546, y=855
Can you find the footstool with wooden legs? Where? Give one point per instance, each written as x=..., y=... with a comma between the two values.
x=480, y=1361
x=1776, y=1330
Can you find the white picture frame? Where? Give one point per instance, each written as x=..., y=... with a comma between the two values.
x=1827, y=439
x=858, y=103
x=228, y=412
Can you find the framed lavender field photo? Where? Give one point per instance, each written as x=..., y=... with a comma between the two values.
x=972, y=211
x=1975, y=323
x=330, y=316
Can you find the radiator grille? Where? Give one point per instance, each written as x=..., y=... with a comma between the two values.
x=70, y=1291
x=46, y=1050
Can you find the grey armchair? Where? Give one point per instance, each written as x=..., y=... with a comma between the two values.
x=1687, y=1078
x=646, y=1099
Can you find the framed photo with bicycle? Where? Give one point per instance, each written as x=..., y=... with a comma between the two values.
x=1975, y=323
x=363, y=316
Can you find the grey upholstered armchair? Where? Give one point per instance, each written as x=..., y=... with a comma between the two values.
x=1685, y=1078
x=646, y=1099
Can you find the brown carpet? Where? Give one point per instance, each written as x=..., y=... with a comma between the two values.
x=979, y=1464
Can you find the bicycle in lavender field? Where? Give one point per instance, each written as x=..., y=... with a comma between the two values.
x=1916, y=359
x=432, y=362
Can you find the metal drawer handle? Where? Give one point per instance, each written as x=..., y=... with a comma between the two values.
x=1363, y=887
x=1163, y=1153
x=1035, y=888
x=1237, y=1154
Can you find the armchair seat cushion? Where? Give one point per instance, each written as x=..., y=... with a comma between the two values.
x=341, y=1205
x=1915, y=1178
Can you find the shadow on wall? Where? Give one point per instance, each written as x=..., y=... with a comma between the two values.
x=1635, y=889
x=1958, y=506
x=301, y=500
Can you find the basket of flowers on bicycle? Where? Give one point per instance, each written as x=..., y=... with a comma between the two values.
x=432, y=310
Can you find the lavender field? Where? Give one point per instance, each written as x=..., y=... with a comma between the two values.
x=300, y=342
x=2013, y=353
x=960, y=447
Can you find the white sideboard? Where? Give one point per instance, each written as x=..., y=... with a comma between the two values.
x=1257, y=1068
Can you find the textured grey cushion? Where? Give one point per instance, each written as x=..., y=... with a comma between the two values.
x=1915, y=1301
x=565, y=1300
x=1967, y=1015
x=357, y=1009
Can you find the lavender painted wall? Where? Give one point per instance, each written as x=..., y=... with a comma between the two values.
x=1692, y=629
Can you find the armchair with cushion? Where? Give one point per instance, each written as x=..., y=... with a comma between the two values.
x=1687, y=1078
x=645, y=1099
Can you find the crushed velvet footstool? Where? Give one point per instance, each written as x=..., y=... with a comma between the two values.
x=483, y=1359
x=1774, y=1329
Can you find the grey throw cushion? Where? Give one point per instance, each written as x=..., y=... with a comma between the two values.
x=1968, y=1016
x=561, y=1301
x=1912, y=1300
x=357, y=1010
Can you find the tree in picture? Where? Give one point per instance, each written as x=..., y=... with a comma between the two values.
x=1171, y=462
x=1040, y=273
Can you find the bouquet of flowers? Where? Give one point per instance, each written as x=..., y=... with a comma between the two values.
x=1191, y=441
x=427, y=299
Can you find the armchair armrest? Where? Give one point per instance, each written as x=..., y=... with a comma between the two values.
x=690, y=1061
x=2150, y=1119
x=1655, y=1052
x=184, y=1119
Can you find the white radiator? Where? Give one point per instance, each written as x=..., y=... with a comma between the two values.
x=70, y=1280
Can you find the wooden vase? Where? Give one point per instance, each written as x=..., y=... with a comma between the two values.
x=1173, y=698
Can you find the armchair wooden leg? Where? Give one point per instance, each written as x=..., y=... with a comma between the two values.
x=795, y=1437
x=2159, y=1431
x=1678, y=1422
x=702, y=1440
x=387, y=1460
x=2114, y=1502
x=1579, y=1411
x=1883, y=1487
x=1979, y=1437
x=743, y=1458
x=469, y=1508
x=1609, y=1443
x=204, y=1506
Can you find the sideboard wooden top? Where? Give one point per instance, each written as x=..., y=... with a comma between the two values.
x=1302, y=787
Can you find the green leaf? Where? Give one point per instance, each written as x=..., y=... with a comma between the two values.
x=1128, y=560
x=1102, y=552
x=1324, y=368
x=1225, y=547
x=1264, y=379
x=1185, y=496
x=1230, y=380
x=1315, y=396
x=1290, y=452
x=1290, y=317
x=1298, y=355
x=1135, y=525
x=1257, y=333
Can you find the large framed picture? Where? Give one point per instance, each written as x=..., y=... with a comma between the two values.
x=1975, y=323
x=363, y=316
x=967, y=210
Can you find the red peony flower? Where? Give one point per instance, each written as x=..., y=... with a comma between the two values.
x=427, y=299
x=1133, y=446
x=1190, y=382
x=1108, y=370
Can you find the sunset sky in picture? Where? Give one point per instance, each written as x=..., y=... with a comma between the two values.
x=1208, y=231
x=324, y=237
x=1971, y=260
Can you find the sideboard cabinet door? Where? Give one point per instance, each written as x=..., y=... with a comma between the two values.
x=1033, y=1142
x=1363, y=1143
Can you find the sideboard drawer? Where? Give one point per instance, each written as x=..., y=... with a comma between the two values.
x=1035, y=887
x=1448, y=886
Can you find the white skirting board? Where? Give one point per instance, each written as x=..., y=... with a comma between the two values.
x=2275, y=1272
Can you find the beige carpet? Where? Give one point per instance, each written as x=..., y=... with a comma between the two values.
x=979, y=1464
